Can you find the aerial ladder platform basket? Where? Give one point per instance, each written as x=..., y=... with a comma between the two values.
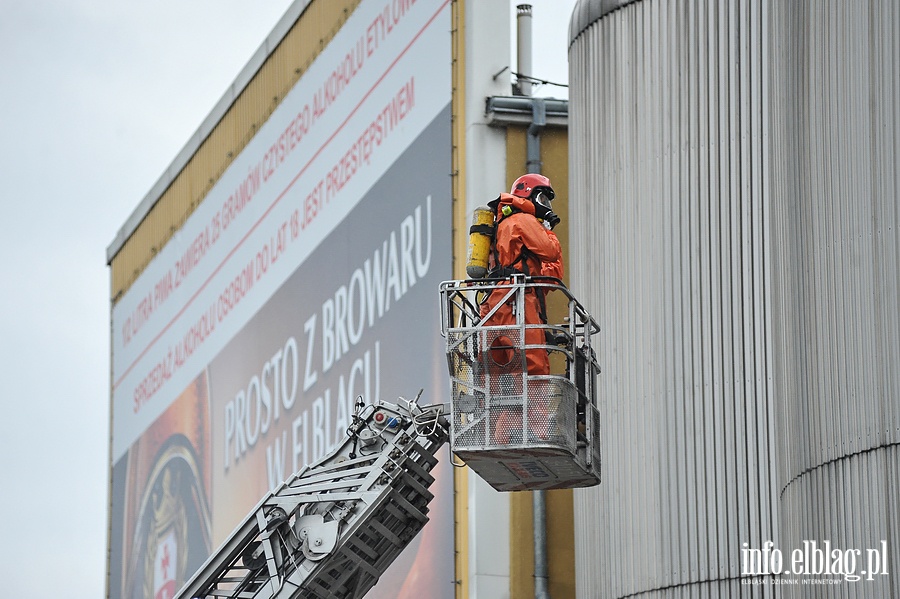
x=516, y=430
x=333, y=528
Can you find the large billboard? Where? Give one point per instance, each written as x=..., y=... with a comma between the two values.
x=305, y=279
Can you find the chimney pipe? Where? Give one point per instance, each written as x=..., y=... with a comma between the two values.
x=523, y=47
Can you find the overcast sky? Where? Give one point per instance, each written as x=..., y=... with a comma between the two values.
x=97, y=98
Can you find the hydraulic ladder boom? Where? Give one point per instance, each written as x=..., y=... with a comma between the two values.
x=332, y=529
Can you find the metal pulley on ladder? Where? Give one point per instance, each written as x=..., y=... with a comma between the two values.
x=333, y=528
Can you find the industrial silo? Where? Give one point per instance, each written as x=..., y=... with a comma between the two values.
x=733, y=173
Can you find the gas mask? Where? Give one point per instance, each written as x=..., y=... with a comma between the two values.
x=543, y=196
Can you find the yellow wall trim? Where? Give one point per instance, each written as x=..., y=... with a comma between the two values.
x=460, y=242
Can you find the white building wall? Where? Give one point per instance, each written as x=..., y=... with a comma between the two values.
x=487, y=43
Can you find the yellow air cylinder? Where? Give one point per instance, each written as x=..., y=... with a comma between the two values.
x=480, y=234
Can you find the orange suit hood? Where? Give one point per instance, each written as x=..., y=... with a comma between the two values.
x=515, y=202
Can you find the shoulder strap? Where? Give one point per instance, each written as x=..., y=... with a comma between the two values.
x=505, y=270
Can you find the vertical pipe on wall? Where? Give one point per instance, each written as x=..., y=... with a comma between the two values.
x=533, y=139
x=533, y=165
x=541, y=575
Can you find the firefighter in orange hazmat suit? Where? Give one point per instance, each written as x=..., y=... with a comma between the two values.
x=524, y=242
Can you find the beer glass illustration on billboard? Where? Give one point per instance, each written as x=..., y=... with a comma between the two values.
x=167, y=520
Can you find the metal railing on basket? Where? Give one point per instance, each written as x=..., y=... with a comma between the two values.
x=523, y=392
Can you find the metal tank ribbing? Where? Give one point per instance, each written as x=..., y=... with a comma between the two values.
x=733, y=189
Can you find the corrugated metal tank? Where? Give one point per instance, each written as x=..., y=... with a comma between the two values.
x=835, y=262
x=733, y=177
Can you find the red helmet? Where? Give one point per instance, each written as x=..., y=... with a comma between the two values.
x=527, y=185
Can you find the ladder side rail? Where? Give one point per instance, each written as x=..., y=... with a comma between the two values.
x=224, y=557
x=220, y=563
x=360, y=466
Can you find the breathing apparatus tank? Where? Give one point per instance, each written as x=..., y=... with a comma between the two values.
x=480, y=235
